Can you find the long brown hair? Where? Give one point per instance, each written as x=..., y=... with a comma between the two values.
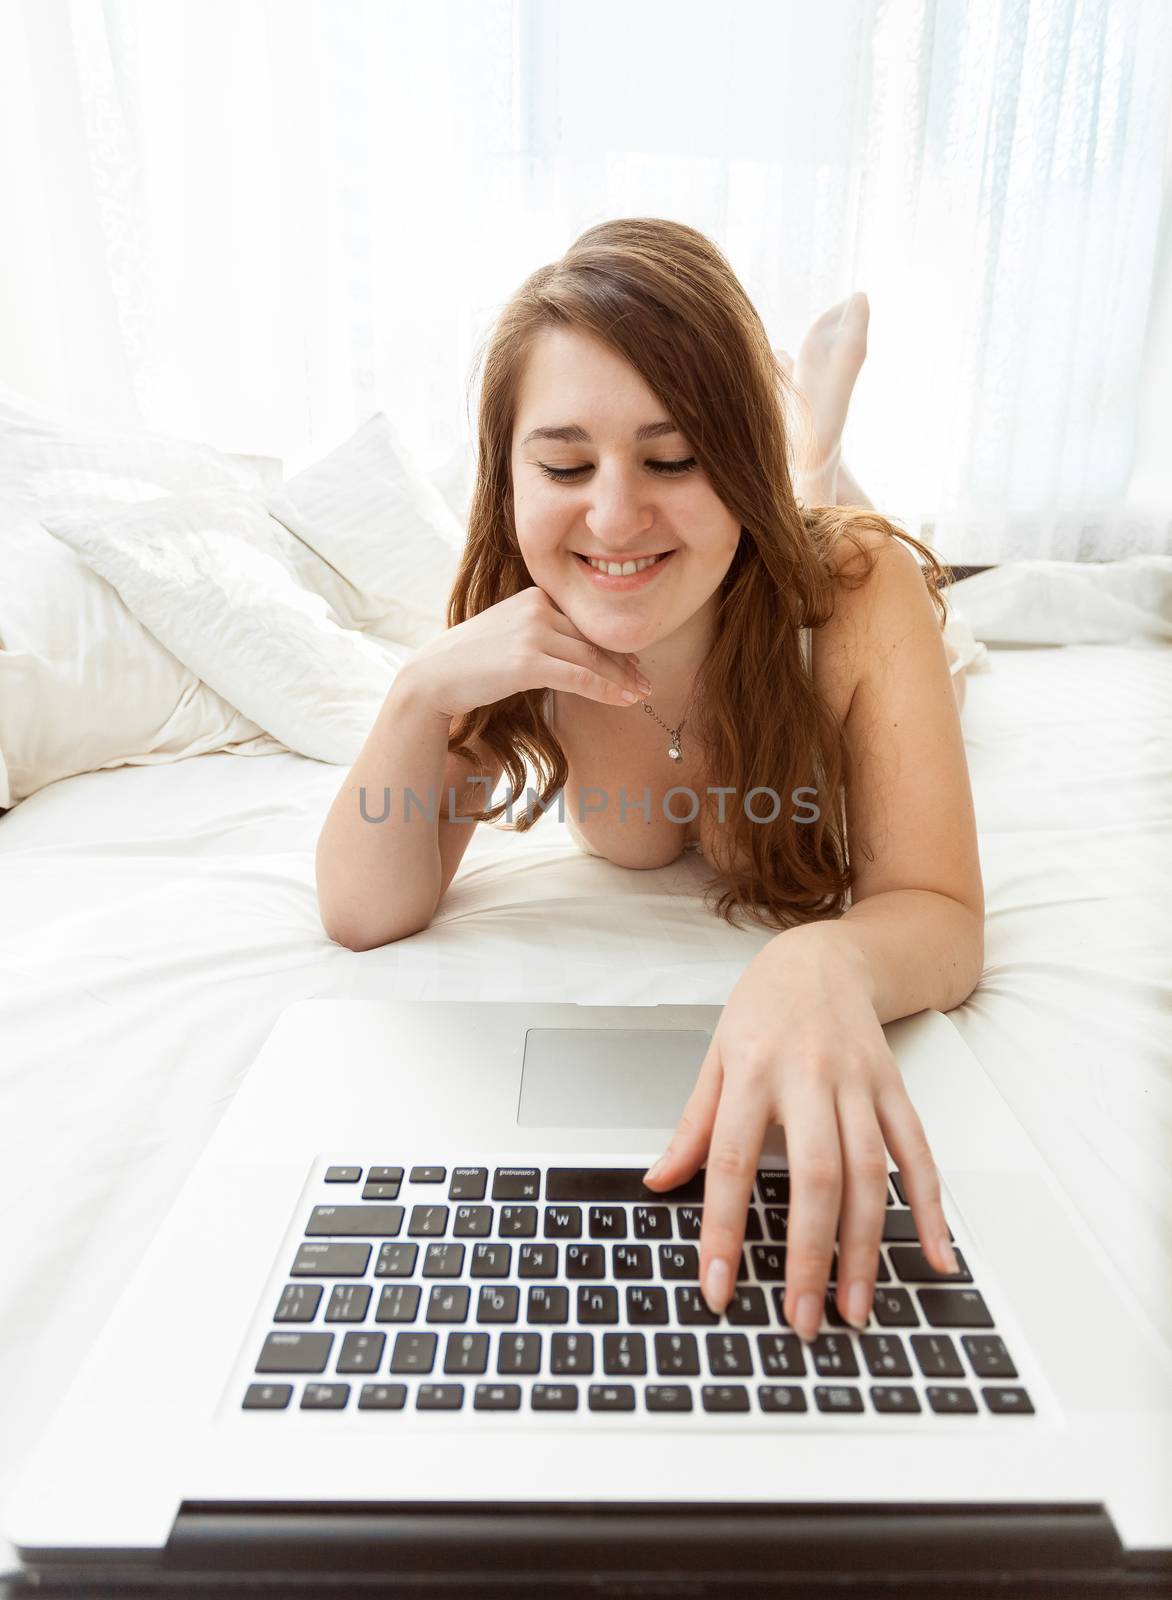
x=664, y=297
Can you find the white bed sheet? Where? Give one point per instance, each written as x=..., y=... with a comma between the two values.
x=155, y=920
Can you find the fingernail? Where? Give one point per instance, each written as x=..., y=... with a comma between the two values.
x=643, y=682
x=856, y=1304
x=949, y=1255
x=809, y=1316
x=654, y=1169
x=716, y=1285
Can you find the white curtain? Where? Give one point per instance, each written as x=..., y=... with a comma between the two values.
x=256, y=221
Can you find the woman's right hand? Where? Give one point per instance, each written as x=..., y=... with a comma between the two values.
x=524, y=642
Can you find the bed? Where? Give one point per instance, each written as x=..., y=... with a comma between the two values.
x=157, y=918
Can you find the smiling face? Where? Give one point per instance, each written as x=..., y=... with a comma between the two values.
x=609, y=493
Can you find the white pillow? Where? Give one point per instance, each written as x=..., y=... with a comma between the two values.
x=1069, y=602
x=210, y=574
x=83, y=685
x=63, y=463
x=369, y=512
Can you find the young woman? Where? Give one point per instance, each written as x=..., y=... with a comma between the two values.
x=774, y=655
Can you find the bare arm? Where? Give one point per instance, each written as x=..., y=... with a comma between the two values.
x=382, y=880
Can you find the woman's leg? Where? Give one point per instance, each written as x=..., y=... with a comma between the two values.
x=831, y=355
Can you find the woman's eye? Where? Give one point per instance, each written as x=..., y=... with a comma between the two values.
x=667, y=468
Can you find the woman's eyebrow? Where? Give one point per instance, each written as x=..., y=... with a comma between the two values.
x=574, y=433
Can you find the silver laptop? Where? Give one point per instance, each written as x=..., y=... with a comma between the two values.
x=415, y=1312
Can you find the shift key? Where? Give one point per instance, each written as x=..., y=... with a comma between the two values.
x=331, y=1261
x=295, y=1352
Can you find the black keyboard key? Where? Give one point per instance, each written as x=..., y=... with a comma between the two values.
x=951, y=1400
x=936, y=1355
x=885, y=1355
x=497, y=1397
x=679, y=1261
x=689, y=1220
x=585, y=1261
x=899, y=1227
x=491, y=1260
x=468, y=1183
x=781, y=1355
x=646, y=1304
x=747, y=1308
x=571, y=1353
x=729, y=1355
x=624, y=1353
x=538, y=1261
x=380, y=1191
x=611, y=1397
x=894, y=1308
x=614, y=1183
x=428, y=1174
x=833, y=1356
x=652, y=1222
x=448, y=1302
x=753, y=1224
x=780, y=1397
x=676, y=1355
x=472, y=1222
x=349, y=1302
x=693, y=1309
x=549, y=1302
x=724, y=1397
x=671, y=1397
x=385, y=1175
x=632, y=1261
x=331, y=1261
x=299, y=1303
x=911, y=1265
x=427, y=1221
x=554, y=1397
x=399, y=1302
x=517, y=1222
x=466, y=1352
x=325, y=1396
x=439, y=1397
x=988, y=1356
x=499, y=1302
x=954, y=1308
x=1007, y=1398
x=598, y=1303
x=396, y=1260
x=382, y=1397
x=773, y=1187
x=768, y=1262
x=295, y=1352
x=343, y=1174
x=563, y=1222
x=443, y=1261
x=516, y=1183
x=414, y=1352
x=608, y=1222
x=777, y=1223
x=267, y=1396
x=838, y=1397
x=895, y=1399
x=361, y=1352
x=519, y=1352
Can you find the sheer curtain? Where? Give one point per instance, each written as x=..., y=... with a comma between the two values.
x=256, y=221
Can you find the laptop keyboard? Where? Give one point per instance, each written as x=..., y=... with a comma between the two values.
x=561, y=1288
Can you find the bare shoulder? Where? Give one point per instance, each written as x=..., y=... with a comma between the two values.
x=864, y=608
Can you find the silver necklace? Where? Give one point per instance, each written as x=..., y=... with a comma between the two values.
x=673, y=749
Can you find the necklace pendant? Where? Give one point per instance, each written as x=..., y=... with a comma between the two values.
x=674, y=752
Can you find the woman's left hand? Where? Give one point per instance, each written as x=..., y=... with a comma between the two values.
x=799, y=1043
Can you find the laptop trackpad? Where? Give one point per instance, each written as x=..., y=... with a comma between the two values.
x=608, y=1077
